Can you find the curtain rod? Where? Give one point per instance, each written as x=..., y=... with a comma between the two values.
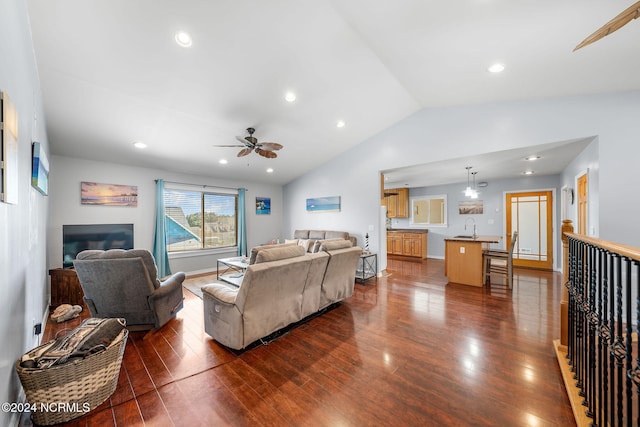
x=205, y=185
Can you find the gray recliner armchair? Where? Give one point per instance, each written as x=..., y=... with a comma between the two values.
x=124, y=283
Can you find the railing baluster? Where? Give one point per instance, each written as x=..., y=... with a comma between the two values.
x=593, y=323
x=612, y=325
x=606, y=337
x=618, y=346
x=628, y=341
x=636, y=371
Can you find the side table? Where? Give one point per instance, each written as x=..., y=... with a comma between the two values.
x=367, y=267
x=231, y=270
x=65, y=287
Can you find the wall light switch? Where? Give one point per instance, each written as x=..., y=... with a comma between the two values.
x=370, y=227
x=461, y=249
x=490, y=221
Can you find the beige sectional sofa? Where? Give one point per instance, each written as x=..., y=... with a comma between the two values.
x=282, y=286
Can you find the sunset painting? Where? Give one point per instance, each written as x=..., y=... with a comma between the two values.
x=93, y=193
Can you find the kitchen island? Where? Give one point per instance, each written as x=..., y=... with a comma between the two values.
x=463, y=258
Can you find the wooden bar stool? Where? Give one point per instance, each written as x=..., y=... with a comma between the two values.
x=504, y=264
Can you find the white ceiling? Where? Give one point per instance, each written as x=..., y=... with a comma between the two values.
x=551, y=159
x=111, y=72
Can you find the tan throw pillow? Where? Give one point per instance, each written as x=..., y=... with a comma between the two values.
x=304, y=243
x=290, y=241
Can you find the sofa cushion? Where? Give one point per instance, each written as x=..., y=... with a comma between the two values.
x=316, y=234
x=255, y=250
x=332, y=245
x=278, y=253
x=301, y=234
x=336, y=235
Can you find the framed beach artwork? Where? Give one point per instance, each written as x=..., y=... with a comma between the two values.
x=9, y=139
x=40, y=169
x=94, y=193
x=323, y=204
x=263, y=206
x=470, y=207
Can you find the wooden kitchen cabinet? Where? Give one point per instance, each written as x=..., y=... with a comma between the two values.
x=397, y=202
x=407, y=244
x=394, y=243
x=412, y=244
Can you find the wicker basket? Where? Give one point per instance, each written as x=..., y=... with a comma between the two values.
x=61, y=393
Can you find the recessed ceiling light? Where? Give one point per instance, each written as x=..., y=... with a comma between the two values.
x=139, y=144
x=496, y=68
x=223, y=161
x=183, y=39
x=290, y=97
x=340, y=123
x=532, y=158
x=529, y=172
x=270, y=170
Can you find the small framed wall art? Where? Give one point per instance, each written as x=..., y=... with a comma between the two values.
x=40, y=169
x=470, y=207
x=9, y=140
x=94, y=193
x=323, y=204
x=263, y=206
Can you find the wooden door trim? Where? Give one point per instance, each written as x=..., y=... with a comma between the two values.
x=545, y=265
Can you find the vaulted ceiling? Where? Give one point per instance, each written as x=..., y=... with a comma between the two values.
x=112, y=73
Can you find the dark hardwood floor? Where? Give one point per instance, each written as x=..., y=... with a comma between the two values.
x=406, y=350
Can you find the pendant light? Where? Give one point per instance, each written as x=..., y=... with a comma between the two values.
x=469, y=191
x=474, y=192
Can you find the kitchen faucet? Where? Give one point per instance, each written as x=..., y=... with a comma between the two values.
x=475, y=235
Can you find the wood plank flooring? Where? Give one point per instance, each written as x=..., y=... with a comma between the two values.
x=407, y=349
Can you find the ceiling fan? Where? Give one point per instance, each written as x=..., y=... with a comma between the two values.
x=250, y=143
x=628, y=15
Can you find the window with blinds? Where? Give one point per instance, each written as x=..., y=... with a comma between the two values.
x=196, y=219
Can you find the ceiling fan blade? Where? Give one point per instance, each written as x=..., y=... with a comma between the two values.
x=270, y=146
x=628, y=15
x=266, y=153
x=244, y=152
x=245, y=143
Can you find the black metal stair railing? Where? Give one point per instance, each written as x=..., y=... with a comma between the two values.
x=603, y=320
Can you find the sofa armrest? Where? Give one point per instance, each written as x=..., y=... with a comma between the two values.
x=169, y=285
x=221, y=292
x=166, y=300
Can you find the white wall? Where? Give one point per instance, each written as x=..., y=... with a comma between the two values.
x=588, y=161
x=446, y=133
x=67, y=173
x=23, y=233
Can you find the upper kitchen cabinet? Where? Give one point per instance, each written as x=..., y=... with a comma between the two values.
x=397, y=202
